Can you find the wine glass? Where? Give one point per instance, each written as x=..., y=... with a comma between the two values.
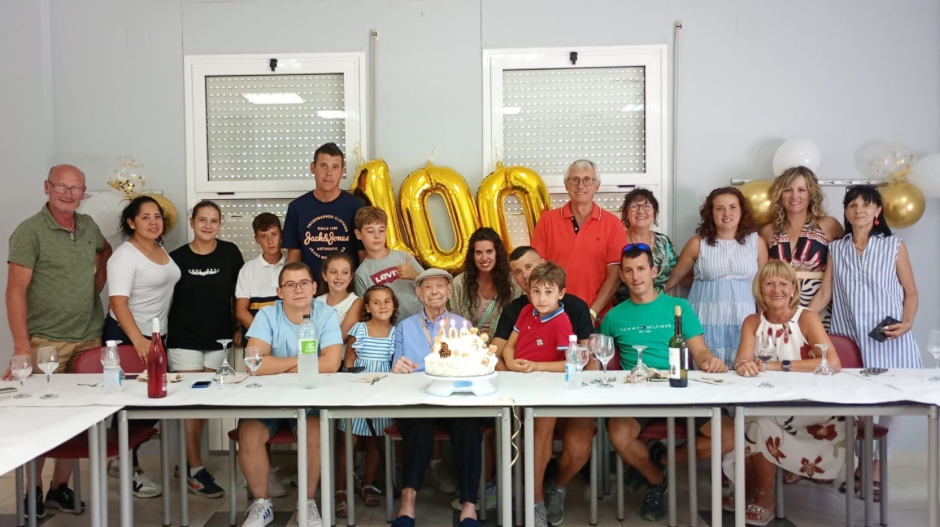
x=22, y=367
x=639, y=373
x=253, y=361
x=225, y=373
x=824, y=368
x=609, y=342
x=933, y=346
x=764, y=349
x=604, y=352
x=48, y=360
x=595, y=341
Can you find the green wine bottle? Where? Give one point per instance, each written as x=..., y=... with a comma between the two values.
x=678, y=356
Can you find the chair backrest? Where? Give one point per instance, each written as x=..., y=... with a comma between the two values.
x=849, y=354
x=614, y=363
x=90, y=361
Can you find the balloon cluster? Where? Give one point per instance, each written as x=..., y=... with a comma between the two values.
x=128, y=178
x=373, y=183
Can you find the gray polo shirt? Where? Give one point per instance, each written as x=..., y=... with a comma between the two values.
x=62, y=303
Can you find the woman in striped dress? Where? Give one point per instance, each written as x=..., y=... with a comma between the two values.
x=800, y=231
x=869, y=277
x=372, y=344
x=724, y=255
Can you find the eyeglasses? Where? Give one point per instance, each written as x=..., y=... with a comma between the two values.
x=290, y=286
x=645, y=206
x=60, y=188
x=587, y=182
x=640, y=246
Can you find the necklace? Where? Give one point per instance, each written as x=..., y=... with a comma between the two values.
x=427, y=333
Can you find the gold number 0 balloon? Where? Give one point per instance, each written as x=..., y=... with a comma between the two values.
x=374, y=185
x=414, y=192
x=521, y=181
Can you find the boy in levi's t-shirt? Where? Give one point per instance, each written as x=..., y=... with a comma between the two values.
x=383, y=266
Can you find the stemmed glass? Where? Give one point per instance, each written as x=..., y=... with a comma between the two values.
x=48, y=360
x=639, y=373
x=764, y=349
x=933, y=346
x=22, y=367
x=824, y=368
x=225, y=372
x=595, y=342
x=604, y=352
x=253, y=361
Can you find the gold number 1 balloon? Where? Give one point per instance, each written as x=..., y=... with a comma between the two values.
x=414, y=193
x=496, y=187
x=374, y=185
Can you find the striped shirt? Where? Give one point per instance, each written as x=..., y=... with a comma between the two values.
x=865, y=290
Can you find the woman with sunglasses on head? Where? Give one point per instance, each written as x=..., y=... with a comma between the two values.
x=724, y=255
x=639, y=213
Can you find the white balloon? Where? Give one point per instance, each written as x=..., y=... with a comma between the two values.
x=865, y=155
x=105, y=208
x=926, y=175
x=795, y=153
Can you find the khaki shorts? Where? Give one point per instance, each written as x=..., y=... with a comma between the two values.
x=68, y=352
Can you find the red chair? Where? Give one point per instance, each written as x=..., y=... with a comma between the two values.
x=77, y=447
x=850, y=356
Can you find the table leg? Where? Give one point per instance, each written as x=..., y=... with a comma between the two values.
x=94, y=476
x=739, y=489
x=31, y=492
x=103, y=470
x=505, y=460
x=184, y=472
x=849, y=469
x=350, y=476
x=596, y=447
x=693, y=471
x=165, y=469
x=497, y=451
x=671, y=469
x=932, y=474
x=529, y=479
x=77, y=482
x=716, y=468
x=869, y=471
x=124, y=462
x=18, y=481
x=303, y=482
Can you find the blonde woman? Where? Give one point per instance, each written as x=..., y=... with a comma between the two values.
x=801, y=231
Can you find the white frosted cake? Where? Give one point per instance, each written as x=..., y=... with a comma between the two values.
x=460, y=354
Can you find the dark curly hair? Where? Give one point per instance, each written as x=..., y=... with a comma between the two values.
x=502, y=278
x=132, y=210
x=366, y=316
x=709, y=231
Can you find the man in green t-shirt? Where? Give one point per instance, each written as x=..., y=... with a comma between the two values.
x=647, y=319
x=57, y=268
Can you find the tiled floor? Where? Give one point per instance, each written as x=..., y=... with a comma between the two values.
x=808, y=504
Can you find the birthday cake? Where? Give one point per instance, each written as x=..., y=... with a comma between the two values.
x=461, y=353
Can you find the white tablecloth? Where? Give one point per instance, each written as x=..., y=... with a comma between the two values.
x=513, y=389
x=30, y=432
x=912, y=384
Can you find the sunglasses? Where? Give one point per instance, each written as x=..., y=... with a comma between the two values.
x=640, y=246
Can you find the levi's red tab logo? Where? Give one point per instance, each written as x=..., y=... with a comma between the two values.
x=385, y=276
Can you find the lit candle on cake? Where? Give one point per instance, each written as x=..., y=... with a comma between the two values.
x=452, y=332
x=463, y=331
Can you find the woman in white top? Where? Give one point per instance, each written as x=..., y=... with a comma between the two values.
x=141, y=278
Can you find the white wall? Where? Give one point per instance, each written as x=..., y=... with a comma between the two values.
x=840, y=73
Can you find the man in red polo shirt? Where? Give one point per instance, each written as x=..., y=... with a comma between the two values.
x=584, y=239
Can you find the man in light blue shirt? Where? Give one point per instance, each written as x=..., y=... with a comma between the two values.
x=413, y=338
x=275, y=330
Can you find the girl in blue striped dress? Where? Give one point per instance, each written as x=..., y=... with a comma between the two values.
x=724, y=254
x=371, y=346
x=869, y=277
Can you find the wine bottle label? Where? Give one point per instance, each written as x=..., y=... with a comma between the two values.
x=308, y=346
x=675, y=363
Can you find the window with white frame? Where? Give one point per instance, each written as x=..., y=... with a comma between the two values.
x=543, y=110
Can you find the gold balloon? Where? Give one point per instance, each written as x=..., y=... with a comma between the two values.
x=757, y=195
x=169, y=211
x=521, y=181
x=373, y=184
x=414, y=192
x=904, y=204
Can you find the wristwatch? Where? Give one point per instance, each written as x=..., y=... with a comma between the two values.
x=593, y=315
x=786, y=365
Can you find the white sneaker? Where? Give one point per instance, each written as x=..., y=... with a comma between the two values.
x=259, y=514
x=143, y=486
x=114, y=468
x=490, y=499
x=276, y=489
x=313, y=514
x=442, y=479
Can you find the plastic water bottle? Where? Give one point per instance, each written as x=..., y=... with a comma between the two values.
x=573, y=364
x=113, y=375
x=308, y=364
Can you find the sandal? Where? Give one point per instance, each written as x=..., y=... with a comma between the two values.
x=727, y=501
x=764, y=516
x=791, y=478
x=341, y=509
x=875, y=494
x=858, y=484
x=370, y=495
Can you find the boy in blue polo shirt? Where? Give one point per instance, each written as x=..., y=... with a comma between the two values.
x=275, y=330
